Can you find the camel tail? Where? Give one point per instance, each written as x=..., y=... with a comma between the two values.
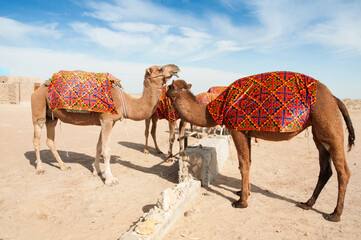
x=346, y=117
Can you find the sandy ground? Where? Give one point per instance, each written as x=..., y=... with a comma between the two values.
x=76, y=205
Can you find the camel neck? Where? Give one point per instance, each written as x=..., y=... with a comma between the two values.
x=192, y=111
x=143, y=107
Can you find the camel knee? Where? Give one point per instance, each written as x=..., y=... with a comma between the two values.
x=50, y=143
x=106, y=153
x=41, y=122
x=36, y=143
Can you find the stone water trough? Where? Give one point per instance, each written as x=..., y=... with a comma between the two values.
x=198, y=166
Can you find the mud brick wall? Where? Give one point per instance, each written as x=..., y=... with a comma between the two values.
x=9, y=93
x=14, y=89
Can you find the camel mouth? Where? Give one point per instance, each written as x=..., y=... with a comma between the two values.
x=171, y=74
x=175, y=73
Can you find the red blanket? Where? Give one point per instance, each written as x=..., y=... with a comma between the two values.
x=274, y=101
x=216, y=90
x=85, y=91
x=205, y=97
x=165, y=108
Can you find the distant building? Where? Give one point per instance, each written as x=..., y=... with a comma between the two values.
x=15, y=89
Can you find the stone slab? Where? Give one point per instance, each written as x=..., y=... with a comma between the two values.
x=172, y=203
x=204, y=159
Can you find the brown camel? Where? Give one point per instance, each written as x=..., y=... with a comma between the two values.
x=135, y=109
x=327, y=133
x=164, y=111
x=205, y=97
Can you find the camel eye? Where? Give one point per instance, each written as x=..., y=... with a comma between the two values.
x=160, y=69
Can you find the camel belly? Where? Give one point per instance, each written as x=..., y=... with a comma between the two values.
x=84, y=119
x=273, y=136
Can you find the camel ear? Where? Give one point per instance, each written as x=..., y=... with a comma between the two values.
x=189, y=86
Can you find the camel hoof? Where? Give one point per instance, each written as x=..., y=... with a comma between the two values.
x=146, y=151
x=170, y=159
x=97, y=174
x=65, y=168
x=333, y=218
x=303, y=206
x=111, y=181
x=40, y=172
x=239, y=204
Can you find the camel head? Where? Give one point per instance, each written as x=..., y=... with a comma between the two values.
x=162, y=73
x=177, y=87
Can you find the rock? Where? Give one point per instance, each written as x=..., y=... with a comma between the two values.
x=146, y=227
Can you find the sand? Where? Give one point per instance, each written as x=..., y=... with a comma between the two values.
x=76, y=205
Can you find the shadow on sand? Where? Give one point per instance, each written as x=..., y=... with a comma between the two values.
x=168, y=171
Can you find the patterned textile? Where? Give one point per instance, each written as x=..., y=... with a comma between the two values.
x=82, y=91
x=165, y=108
x=274, y=101
x=205, y=97
x=216, y=90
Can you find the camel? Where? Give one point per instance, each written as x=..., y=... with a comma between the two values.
x=164, y=111
x=127, y=106
x=327, y=133
x=205, y=97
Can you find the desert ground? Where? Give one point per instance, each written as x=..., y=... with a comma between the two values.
x=76, y=205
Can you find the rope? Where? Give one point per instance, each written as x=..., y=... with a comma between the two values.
x=120, y=90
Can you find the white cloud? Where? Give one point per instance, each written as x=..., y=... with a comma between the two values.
x=14, y=31
x=281, y=24
x=36, y=62
x=138, y=10
x=107, y=38
x=134, y=27
x=342, y=31
x=228, y=45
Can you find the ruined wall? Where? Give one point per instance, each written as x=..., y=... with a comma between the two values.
x=9, y=93
x=14, y=89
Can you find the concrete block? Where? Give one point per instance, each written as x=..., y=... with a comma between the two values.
x=204, y=159
x=172, y=203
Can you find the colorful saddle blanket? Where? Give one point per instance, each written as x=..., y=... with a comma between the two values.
x=82, y=91
x=216, y=90
x=205, y=97
x=165, y=108
x=274, y=101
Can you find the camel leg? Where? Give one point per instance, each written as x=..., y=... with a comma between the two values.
x=171, y=139
x=50, y=131
x=337, y=154
x=328, y=134
x=107, y=125
x=96, y=164
x=324, y=176
x=343, y=176
x=182, y=127
x=153, y=132
x=38, y=125
x=146, y=134
x=243, y=147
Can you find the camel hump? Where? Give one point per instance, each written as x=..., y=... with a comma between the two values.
x=272, y=102
x=206, y=97
x=82, y=91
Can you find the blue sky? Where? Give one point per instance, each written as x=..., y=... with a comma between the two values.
x=214, y=42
